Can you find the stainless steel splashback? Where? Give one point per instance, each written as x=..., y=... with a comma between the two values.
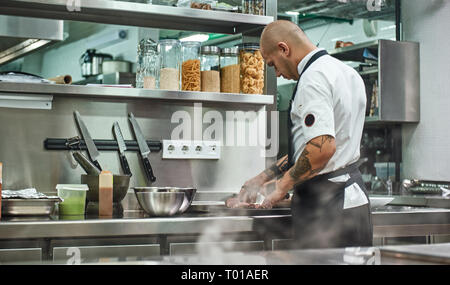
x=27, y=164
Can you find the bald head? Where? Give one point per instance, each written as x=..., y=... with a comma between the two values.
x=283, y=45
x=283, y=31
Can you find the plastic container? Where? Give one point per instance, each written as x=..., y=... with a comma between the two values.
x=229, y=70
x=210, y=69
x=251, y=69
x=170, y=57
x=74, y=196
x=386, y=170
x=147, y=71
x=190, y=69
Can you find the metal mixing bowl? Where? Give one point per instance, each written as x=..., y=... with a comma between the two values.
x=160, y=203
x=189, y=194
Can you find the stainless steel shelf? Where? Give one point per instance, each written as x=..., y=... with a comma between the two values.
x=137, y=14
x=131, y=93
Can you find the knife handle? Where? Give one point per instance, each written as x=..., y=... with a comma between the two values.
x=148, y=169
x=95, y=162
x=125, y=166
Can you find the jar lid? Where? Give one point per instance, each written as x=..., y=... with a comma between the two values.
x=191, y=43
x=251, y=46
x=230, y=51
x=169, y=41
x=210, y=50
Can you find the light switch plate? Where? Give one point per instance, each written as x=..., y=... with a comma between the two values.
x=186, y=149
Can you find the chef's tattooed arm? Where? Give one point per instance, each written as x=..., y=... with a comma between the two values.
x=312, y=160
x=280, y=167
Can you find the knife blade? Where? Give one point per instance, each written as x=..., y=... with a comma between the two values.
x=92, y=149
x=143, y=148
x=122, y=148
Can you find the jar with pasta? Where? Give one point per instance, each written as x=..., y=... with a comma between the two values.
x=147, y=72
x=170, y=56
x=251, y=65
x=209, y=66
x=190, y=69
x=229, y=70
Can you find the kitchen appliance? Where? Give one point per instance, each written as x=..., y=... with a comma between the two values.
x=112, y=66
x=92, y=149
x=122, y=148
x=91, y=62
x=143, y=148
x=425, y=187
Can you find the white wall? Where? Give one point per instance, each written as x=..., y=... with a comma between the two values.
x=426, y=146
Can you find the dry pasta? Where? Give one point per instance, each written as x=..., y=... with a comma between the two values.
x=190, y=73
x=252, y=72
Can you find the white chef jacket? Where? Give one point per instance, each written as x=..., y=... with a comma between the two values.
x=330, y=100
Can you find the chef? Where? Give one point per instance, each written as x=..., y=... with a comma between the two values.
x=330, y=206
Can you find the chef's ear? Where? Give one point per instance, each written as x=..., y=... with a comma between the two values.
x=284, y=48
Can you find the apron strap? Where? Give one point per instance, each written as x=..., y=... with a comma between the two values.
x=290, y=124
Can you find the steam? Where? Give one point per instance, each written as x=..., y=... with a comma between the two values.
x=213, y=248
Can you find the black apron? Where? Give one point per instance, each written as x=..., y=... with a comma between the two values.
x=318, y=216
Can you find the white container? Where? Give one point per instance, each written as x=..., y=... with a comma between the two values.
x=74, y=196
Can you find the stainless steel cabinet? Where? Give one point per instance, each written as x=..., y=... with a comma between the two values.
x=87, y=254
x=20, y=256
x=391, y=72
x=189, y=248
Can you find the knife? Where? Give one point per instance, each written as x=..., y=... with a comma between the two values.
x=143, y=148
x=122, y=148
x=92, y=149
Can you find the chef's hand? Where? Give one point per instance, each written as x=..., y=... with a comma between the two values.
x=250, y=190
x=272, y=194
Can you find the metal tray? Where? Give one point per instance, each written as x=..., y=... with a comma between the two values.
x=29, y=207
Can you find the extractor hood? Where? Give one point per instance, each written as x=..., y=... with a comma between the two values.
x=22, y=35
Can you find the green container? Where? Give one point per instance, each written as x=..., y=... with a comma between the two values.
x=74, y=196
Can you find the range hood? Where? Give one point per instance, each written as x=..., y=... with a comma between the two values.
x=22, y=35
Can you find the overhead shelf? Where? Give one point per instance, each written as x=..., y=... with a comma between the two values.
x=137, y=14
x=130, y=93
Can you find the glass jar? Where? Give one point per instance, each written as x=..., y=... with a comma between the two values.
x=251, y=65
x=190, y=68
x=210, y=66
x=246, y=6
x=229, y=70
x=169, y=73
x=258, y=7
x=147, y=70
x=255, y=7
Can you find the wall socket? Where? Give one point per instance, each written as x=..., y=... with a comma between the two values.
x=184, y=149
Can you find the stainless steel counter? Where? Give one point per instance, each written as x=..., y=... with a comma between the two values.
x=132, y=224
x=407, y=221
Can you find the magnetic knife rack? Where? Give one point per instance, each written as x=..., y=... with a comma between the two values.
x=76, y=143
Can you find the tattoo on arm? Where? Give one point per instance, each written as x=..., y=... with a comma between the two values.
x=324, y=139
x=277, y=169
x=302, y=170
